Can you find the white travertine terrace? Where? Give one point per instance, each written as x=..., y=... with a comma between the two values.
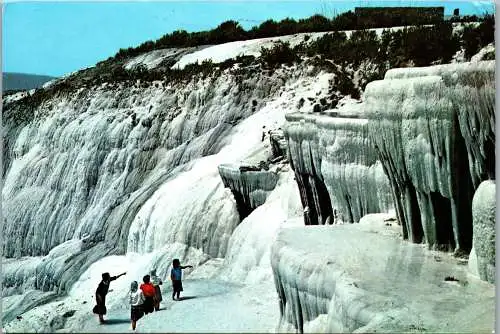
x=433, y=128
x=361, y=278
x=334, y=152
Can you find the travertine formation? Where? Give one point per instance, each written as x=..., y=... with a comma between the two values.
x=361, y=278
x=433, y=129
x=95, y=165
x=336, y=167
x=428, y=132
x=250, y=185
x=432, y=132
x=483, y=223
x=137, y=168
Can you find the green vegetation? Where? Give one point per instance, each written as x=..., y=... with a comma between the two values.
x=475, y=38
x=281, y=53
x=230, y=31
x=333, y=52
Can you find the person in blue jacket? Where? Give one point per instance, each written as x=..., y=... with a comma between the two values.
x=176, y=276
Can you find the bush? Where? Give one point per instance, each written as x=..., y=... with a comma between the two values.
x=363, y=44
x=280, y=53
x=229, y=31
x=475, y=38
x=428, y=44
x=333, y=46
x=266, y=28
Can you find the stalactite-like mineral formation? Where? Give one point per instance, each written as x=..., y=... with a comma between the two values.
x=336, y=167
x=433, y=129
x=483, y=212
x=250, y=187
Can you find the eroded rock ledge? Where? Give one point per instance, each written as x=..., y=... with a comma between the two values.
x=336, y=168
x=249, y=184
x=362, y=278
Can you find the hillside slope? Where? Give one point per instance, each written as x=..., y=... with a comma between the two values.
x=23, y=81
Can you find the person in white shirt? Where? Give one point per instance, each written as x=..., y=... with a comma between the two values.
x=136, y=301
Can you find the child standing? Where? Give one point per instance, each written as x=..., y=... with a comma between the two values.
x=156, y=281
x=149, y=294
x=136, y=303
x=176, y=276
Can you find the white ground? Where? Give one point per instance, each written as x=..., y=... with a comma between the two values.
x=209, y=306
x=153, y=58
x=377, y=282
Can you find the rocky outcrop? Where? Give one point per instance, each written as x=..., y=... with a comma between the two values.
x=249, y=184
x=433, y=129
x=278, y=143
x=336, y=168
x=483, y=223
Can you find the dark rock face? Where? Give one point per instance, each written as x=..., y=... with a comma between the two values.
x=315, y=199
x=305, y=162
x=249, y=184
x=278, y=143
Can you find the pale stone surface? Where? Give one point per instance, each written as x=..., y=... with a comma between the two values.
x=483, y=212
x=434, y=130
x=365, y=279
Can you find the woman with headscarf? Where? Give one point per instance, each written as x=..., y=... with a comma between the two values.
x=136, y=303
x=100, y=295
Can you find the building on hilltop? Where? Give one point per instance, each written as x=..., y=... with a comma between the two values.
x=398, y=16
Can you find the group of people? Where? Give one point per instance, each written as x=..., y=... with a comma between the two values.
x=143, y=299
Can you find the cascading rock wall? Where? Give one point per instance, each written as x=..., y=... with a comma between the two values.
x=430, y=133
x=433, y=129
x=336, y=168
x=80, y=167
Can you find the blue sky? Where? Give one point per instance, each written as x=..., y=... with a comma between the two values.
x=54, y=38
